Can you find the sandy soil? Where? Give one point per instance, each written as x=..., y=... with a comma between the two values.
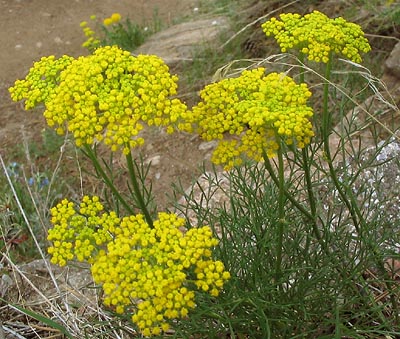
x=35, y=28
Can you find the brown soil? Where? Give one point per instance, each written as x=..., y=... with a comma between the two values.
x=35, y=28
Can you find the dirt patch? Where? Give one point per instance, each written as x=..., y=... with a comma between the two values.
x=33, y=28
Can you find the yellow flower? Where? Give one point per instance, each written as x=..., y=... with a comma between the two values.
x=106, y=96
x=151, y=272
x=92, y=42
x=318, y=36
x=115, y=17
x=250, y=114
x=78, y=234
x=107, y=22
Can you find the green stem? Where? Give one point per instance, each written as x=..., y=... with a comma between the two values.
x=275, y=179
x=326, y=118
x=93, y=158
x=311, y=196
x=294, y=201
x=307, y=171
x=136, y=189
x=281, y=215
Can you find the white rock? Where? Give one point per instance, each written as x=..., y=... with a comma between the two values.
x=154, y=160
x=208, y=145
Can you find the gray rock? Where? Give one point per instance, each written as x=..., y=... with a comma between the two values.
x=177, y=43
x=393, y=61
x=208, y=145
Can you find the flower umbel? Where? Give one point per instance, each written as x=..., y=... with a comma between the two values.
x=318, y=36
x=151, y=272
x=106, y=96
x=41, y=81
x=250, y=113
x=113, y=19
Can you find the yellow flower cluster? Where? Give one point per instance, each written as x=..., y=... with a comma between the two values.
x=107, y=96
x=318, y=36
x=92, y=42
x=249, y=113
x=113, y=19
x=152, y=272
x=78, y=234
x=40, y=81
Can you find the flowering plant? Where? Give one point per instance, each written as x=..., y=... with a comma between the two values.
x=289, y=211
x=149, y=271
x=148, y=267
x=113, y=31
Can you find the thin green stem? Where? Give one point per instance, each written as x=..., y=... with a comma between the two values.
x=275, y=179
x=310, y=216
x=93, y=158
x=306, y=168
x=310, y=192
x=326, y=117
x=136, y=189
x=307, y=171
x=281, y=216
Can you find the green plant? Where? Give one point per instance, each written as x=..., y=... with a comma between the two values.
x=304, y=222
x=21, y=198
x=298, y=248
x=114, y=31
